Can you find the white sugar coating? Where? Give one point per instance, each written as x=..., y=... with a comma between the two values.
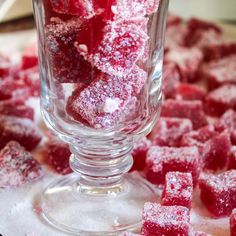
x=111, y=105
x=143, y=144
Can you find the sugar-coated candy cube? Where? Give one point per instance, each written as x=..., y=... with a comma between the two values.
x=29, y=57
x=56, y=155
x=228, y=121
x=187, y=60
x=173, y=20
x=139, y=153
x=103, y=102
x=121, y=46
x=221, y=99
x=18, y=129
x=216, y=151
x=82, y=8
x=5, y=66
x=171, y=79
x=233, y=223
x=232, y=158
x=192, y=110
x=165, y=220
x=17, y=166
x=124, y=9
x=178, y=189
x=186, y=91
x=218, y=192
x=61, y=37
x=169, y=131
x=220, y=72
x=161, y=160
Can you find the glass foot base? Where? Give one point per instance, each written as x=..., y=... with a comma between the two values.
x=90, y=213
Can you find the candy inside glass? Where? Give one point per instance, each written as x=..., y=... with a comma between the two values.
x=101, y=72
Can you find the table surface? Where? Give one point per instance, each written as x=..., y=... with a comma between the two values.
x=17, y=214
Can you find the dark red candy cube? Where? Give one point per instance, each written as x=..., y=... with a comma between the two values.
x=169, y=131
x=121, y=46
x=21, y=130
x=233, y=223
x=165, y=220
x=220, y=72
x=67, y=63
x=30, y=57
x=218, y=192
x=82, y=8
x=161, y=160
x=171, y=79
x=232, y=158
x=216, y=151
x=178, y=189
x=57, y=155
x=107, y=98
x=221, y=99
x=187, y=60
x=189, y=92
x=17, y=166
x=192, y=110
x=139, y=153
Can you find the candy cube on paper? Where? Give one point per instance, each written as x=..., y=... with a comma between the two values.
x=17, y=166
x=233, y=223
x=221, y=99
x=178, y=189
x=161, y=160
x=218, y=192
x=165, y=220
x=169, y=131
x=192, y=110
x=139, y=153
x=21, y=130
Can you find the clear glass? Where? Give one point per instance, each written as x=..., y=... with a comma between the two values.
x=101, y=76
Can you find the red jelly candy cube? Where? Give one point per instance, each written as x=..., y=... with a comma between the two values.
x=220, y=72
x=21, y=130
x=189, y=92
x=17, y=166
x=216, y=152
x=68, y=65
x=122, y=45
x=232, y=158
x=30, y=57
x=187, y=60
x=57, y=155
x=178, y=189
x=218, y=192
x=171, y=78
x=139, y=153
x=82, y=8
x=161, y=160
x=233, y=223
x=107, y=98
x=192, y=110
x=221, y=99
x=165, y=220
x=169, y=131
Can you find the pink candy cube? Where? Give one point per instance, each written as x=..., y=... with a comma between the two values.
x=169, y=131
x=178, y=189
x=161, y=160
x=187, y=60
x=192, y=110
x=218, y=192
x=139, y=153
x=221, y=99
x=165, y=220
x=17, y=166
x=21, y=130
x=233, y=223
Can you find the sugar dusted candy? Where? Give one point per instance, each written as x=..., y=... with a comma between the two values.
x=29, y=57
x=178, y=189
x=161, y=160
x=165, y=220
x=218, y=192
x=233, y=223
x=17, y=166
